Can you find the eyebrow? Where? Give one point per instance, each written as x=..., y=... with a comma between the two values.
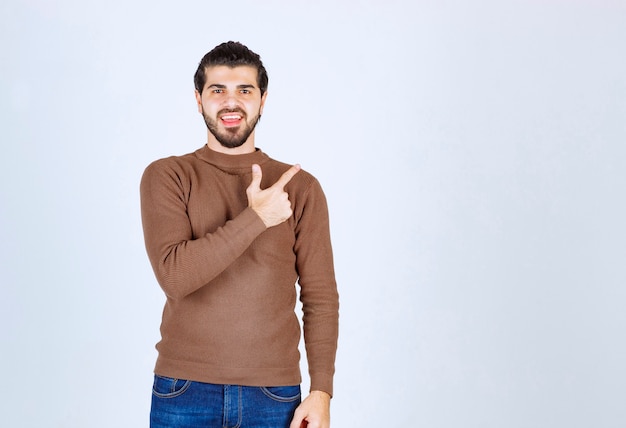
x=221, y=86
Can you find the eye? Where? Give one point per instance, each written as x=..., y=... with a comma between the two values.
x=245, y=91
x=217, y=91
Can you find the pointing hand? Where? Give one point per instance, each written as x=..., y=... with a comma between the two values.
x=271, y=204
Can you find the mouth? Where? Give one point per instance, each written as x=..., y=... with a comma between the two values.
x=231, y=119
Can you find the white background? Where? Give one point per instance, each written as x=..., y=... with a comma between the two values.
x=474, y=159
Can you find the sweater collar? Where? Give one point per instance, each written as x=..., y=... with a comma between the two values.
x=231, y=163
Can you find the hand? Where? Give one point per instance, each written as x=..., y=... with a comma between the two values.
x=271, y=204
x=313, y=412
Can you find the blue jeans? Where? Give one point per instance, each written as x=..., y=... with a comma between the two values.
x=178, y=403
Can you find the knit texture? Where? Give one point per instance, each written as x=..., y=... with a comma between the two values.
x=230, y=282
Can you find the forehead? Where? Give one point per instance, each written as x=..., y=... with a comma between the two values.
x=223, y=74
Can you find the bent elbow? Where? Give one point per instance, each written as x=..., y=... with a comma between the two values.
x=172, y=286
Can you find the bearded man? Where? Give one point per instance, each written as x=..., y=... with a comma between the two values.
x=229, y=232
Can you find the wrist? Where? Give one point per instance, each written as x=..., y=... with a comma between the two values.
x=321, y=394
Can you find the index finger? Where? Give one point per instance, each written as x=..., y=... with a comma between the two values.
x=287, y=176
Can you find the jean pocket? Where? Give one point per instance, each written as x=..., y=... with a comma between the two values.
x=283, y=394
x=167, y=387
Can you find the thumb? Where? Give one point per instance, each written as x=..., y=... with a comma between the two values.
x=257, y=174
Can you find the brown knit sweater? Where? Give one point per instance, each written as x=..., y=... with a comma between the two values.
x=230, y=282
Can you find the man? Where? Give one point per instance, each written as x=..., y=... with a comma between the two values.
x=228, y=232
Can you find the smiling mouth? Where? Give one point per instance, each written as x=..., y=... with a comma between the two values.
x=231, y=119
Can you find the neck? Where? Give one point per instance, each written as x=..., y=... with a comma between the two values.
x=216, y=146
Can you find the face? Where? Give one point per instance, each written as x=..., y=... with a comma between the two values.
x=231, y=104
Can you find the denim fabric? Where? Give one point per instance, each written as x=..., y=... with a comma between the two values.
x=178, y=403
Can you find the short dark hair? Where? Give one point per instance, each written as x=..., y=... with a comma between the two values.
x=231, y=54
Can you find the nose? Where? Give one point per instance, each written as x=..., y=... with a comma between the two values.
x=231, y=101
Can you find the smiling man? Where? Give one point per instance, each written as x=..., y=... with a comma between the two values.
x=229, y=232
x=224, y=105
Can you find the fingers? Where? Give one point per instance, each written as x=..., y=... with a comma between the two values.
x=257, y=175
x=297, y=422
x=287, y=176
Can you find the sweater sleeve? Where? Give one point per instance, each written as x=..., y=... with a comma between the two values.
x=319, y=296
x=181, y=263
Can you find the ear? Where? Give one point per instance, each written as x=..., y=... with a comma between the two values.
x=198, y=101
x=263, y=98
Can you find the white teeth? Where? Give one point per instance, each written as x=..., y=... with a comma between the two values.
x=233, y=117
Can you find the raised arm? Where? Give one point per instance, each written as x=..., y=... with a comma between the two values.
x=181, y=262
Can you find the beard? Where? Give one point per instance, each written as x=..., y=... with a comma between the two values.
x=235, y=136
